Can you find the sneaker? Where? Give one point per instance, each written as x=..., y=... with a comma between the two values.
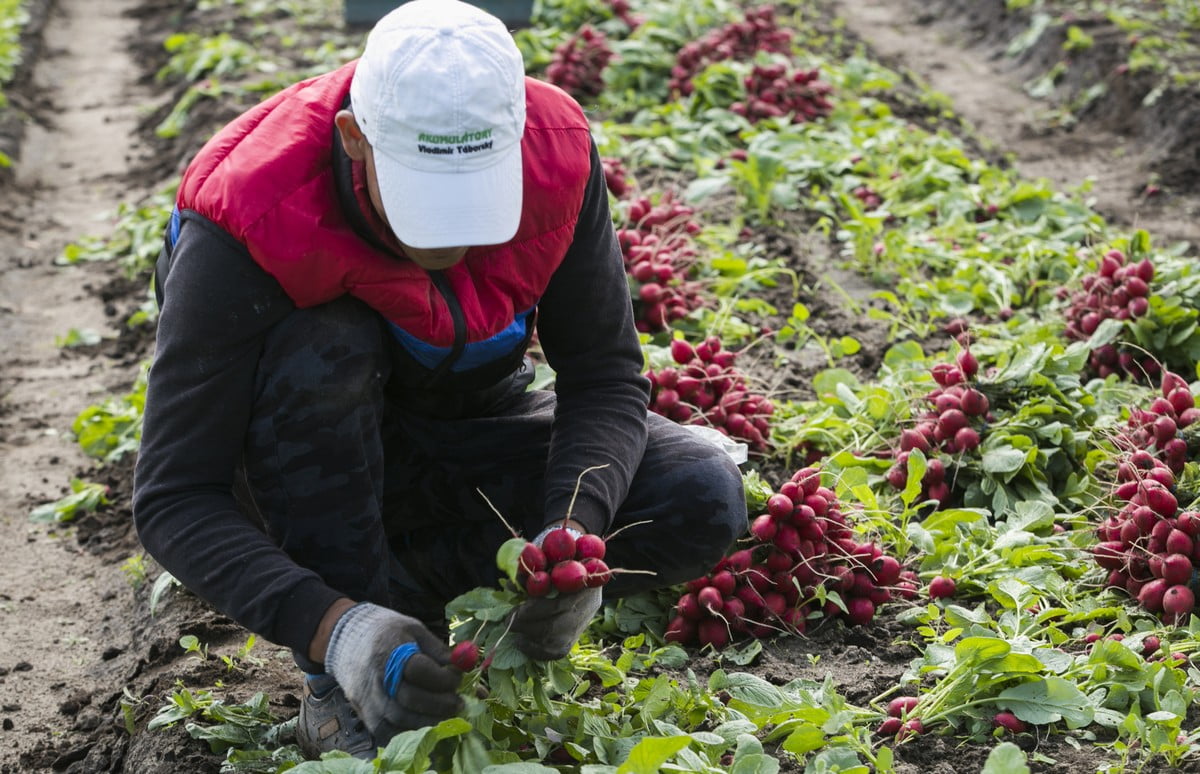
x=329, y=723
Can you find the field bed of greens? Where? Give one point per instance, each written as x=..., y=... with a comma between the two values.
x=967, y=403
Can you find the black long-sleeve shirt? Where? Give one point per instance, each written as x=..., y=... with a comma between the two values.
x=217, y=308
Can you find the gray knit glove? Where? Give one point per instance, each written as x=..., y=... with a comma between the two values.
x=545, y=628
x=393, y=670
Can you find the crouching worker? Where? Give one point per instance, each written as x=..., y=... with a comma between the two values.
x=352, y=277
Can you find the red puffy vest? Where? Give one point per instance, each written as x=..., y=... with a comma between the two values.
x=267, y=178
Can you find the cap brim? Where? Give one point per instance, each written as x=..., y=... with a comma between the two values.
x=455, y=209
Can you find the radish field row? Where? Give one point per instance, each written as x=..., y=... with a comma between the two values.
x=967, y=402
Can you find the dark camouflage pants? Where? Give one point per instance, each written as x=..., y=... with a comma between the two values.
x=384, y=503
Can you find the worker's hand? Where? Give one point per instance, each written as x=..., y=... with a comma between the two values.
x=393, y=670
x=547, y=627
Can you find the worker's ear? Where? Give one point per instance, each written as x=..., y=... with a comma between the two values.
x=353, y=139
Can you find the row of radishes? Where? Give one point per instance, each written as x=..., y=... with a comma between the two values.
x=952, y=423
x=1119, y=290
x=707, y=389
x=1151, y=548
x=801, y=564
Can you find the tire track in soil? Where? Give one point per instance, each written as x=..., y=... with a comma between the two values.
x=60, y=632
x=986, y=90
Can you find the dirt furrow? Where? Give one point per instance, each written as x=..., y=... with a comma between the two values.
x=986, y=89
x=57, y=602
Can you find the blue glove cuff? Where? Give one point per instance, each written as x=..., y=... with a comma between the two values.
x=393, y=671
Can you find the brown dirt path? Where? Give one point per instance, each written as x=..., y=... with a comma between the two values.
x=57, y=603
x=986, y=90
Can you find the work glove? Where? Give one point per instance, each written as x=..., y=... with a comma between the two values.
x=393, y=670
x=545, y=628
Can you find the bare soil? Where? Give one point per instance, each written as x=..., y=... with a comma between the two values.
x=76, y=635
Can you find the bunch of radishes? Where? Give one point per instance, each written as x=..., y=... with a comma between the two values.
x=706, y=388
x=800, y=544
x=563, y=563
x=958, y=410
x=1120, y=290
x=1150, y=547
x=616, y=176
x=1160, y=426
x=577, y=64
x=772, y=91
x=659, y=255
x=740, y=40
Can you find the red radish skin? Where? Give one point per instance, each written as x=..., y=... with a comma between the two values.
x=913, y=727
x=590, y=547
x=711, y=599
x=1152, y=595
x=680, y=630
x=569, y=576
x=689, y=607
x=901, y=706
x=889, y=727
x=860, y=610
x=1178, y=603
x=532, y=559
x=538, y=584
x=559, y=546
x=465, y=656
x=598, y=572
x=1009, y=722
x=942, y=587
x=712, y=631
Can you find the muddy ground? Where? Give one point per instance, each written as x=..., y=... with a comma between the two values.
x=76, y=636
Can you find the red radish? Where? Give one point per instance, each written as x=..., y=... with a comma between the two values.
x=712, y=631
x=569, y=576
x=913, y=439
x=968, y=364
x=860, y=610
x=1178, y=542
x=598, y=572
x=897, y=476
x=532, y=559
x=901, y=706
x=889, y=727
x=724, y=582
x=942, y=587
x=710, y=599
x=951, y=422
x=680, y=630
x=764, y=528
x=1178, y=602
x=1110, y=554
x=590, y=547
x=886, y=570
x=974, y=403
x=966, y=439
x=1009, y=722
x=689, y=607
x=558, y=545
x=780, y=506
x=913, y=727
x=1152, y=595
x=538, y=584
x=681, y=351
x=465, y=655
x=1176, y=569
x=1150, y=646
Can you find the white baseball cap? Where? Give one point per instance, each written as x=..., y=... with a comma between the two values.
x=439, y=93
